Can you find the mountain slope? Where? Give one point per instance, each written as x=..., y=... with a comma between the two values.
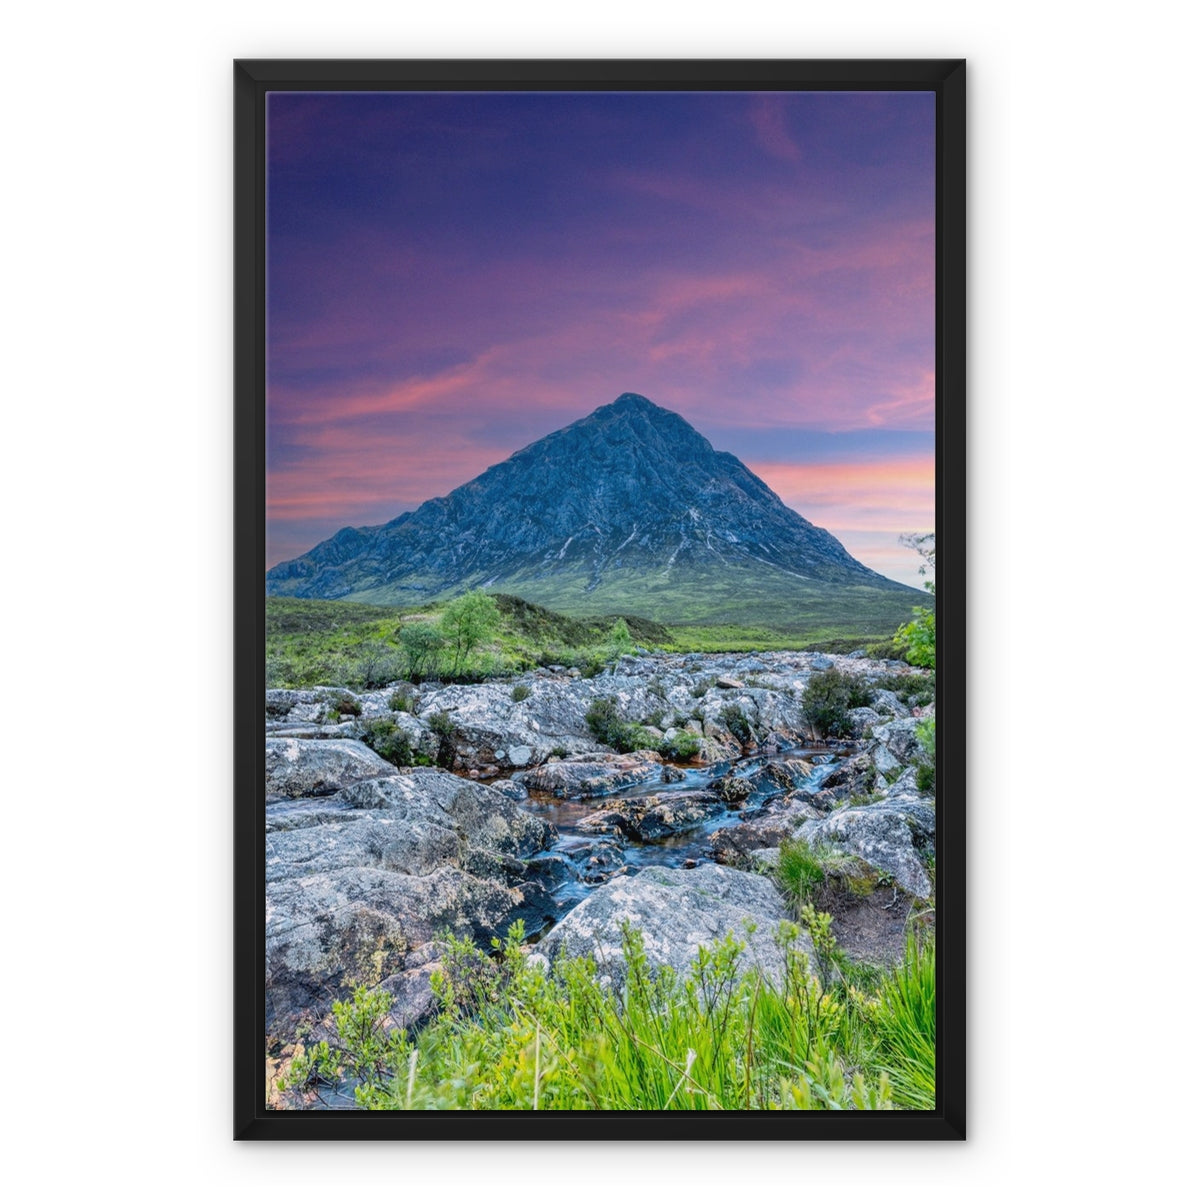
x=629, y=509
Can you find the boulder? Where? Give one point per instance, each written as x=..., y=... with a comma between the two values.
x=413, y=853
x=899, y=736
x=591, y=776
x=676, y=912
x=299, y=767
x=891, y=836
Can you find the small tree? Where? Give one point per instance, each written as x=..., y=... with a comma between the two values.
x=467, y=623
x=619, y=640
x=420, y=644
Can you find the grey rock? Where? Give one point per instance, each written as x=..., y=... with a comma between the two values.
x=724, y=681
x=676, y=912
x=890, y=836
x=413, y=853
x=296, y=767
x=899, y=737
x=591, y=776
x=882, y=698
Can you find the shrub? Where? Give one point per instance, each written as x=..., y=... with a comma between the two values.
x=700, y=690
x=401, y=701
x=912, y=689
x=608, y=726
x=389, y=742
x=445, y=730
x=521, y=692
x=828, y=697
x=681, y=747
x=558, y=752
x=344, y=705
x=592, y=667
x=737, y=723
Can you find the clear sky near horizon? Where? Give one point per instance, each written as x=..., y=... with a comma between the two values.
x=453, y=276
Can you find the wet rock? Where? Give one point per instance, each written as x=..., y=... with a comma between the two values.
x=733, y=790
x=296, y=767
x=676, y=912
x=736, y=843
x=591, y=776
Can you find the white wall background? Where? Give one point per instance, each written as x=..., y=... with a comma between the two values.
x=117, y=489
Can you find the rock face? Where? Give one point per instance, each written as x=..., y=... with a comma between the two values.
x=677, y=912
x=301, y=767
x=580, y=518
x=392, y=861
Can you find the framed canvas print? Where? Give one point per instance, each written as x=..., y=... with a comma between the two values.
x=599, y=716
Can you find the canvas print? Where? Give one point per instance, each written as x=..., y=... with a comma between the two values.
x=601, y=765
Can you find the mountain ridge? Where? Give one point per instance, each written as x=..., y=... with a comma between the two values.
x=628, y=502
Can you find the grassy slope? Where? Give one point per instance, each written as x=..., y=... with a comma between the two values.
x=327, y=641
x=740, y=595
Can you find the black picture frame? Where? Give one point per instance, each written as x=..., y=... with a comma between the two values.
x=253, y=79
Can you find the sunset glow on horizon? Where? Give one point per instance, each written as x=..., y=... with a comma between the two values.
x=453, y=276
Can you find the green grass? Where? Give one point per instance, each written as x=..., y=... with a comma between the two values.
x=510, y=1036
x=348, y=644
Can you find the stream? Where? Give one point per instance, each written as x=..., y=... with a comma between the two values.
x=581, y=858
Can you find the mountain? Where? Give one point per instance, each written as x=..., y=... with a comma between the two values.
x=627, y=510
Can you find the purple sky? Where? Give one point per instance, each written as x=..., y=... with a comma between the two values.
x=452, y=276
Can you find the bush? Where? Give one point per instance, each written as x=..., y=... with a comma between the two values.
x=681, y=747
x=389, y=742
x=737, y=723
x=912, y=689
x=345, y=705
x=445, y=730
x=608, y=726
x=521, y=692
x=828, y=697
x=401, y=701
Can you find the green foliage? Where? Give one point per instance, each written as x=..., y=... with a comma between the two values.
x=521, y=692
x=828, y=697
x=619, y=640
x=421, y=646
x=721, y=1036
x=737, y=723
x=914, y=689
x=906, y=1022
x=918, y=639
x=559, y=752
x=466, y=623
x=800, y=873
x=389, y=741
x=344, y=705
x=926, y=732
x=608, y=726
x=681, y=747
x=401, y=701
x=441, y=724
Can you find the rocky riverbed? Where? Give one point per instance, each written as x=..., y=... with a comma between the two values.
x=367, y=862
